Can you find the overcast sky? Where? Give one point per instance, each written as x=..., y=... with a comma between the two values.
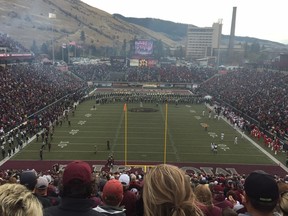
x=262, y=19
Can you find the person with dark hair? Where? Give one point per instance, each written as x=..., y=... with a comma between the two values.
x=75, y=192
x=129, y=198
x=41, y=154
x=28, y=178
x=261, y=194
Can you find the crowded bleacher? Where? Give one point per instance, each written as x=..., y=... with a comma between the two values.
x=34, y=96
x=260, y=97
x=7, y=44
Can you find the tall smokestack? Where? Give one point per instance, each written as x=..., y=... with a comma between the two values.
x=232, y=34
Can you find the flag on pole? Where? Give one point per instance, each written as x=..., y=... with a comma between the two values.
x=125, y=107
x=52, y=16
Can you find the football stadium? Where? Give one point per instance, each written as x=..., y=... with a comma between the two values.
x=70, y=127
x=144, y=125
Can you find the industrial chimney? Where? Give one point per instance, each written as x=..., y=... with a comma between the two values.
x=232, y=36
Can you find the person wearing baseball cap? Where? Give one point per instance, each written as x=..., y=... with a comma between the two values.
x=129, y=198
x=75, y=192
x=112, y=196
x=261, y=194
x=28, y=178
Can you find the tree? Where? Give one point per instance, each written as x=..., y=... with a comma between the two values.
x=158, y=49
x=132, y=46
x=123, y=49
x=34, y=47
x=255, y=47
x=82, y=36
x=44, y=48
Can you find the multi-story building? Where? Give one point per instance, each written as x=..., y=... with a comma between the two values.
x=202, y=42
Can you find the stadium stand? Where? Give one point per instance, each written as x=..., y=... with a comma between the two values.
x=33, y=96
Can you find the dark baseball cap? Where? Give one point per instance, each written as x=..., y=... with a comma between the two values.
x=261, y=187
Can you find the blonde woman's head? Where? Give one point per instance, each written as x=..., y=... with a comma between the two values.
x=17, y=200
x=167, y=192
x=203, y=194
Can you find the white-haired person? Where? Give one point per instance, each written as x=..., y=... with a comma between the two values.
x=167, y=191
x=17, y=200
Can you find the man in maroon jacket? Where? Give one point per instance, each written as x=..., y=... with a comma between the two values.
x=129, y=198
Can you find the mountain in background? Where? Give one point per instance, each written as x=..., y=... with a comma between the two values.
x=178, y=31
x=27, y=21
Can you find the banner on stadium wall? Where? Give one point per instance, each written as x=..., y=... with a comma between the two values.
x=179, y=85
x=15, y=56
x=166, y=85
x=134, y=62
x=151, y=62
x=124, y=84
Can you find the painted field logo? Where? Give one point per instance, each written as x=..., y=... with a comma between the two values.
x=81, y=122
x=73, y=132
x=223, y=146
x=63, y=144
x=88, y=115
x=198, y=118
x=213, y=134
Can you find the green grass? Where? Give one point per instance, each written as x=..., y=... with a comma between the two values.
x=186, y=140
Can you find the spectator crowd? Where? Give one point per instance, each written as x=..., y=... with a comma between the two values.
x=162, y=190
x=10, y=45
x=33, y=97
x=258, y=96
x=167, y=74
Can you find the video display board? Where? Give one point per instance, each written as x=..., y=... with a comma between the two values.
x=143, y=47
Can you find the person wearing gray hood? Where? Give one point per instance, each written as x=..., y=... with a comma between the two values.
x=112, y=196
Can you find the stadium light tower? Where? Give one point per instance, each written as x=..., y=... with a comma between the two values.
x=52, y=16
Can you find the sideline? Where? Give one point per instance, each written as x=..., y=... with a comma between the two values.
x=276, y=161
x=3, y=161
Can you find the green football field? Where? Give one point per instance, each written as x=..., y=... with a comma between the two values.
x=174, y=133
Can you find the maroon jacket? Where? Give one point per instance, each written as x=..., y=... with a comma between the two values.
x=129, y=203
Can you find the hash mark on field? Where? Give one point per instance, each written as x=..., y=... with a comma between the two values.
x=81, y=122
x=63, y=144
x=73, y=132
x=212, y=134
x=224, y=147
